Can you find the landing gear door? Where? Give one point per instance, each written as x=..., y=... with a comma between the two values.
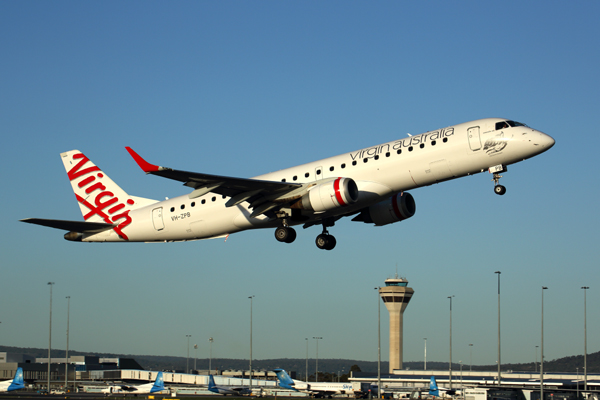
x=474, y=138
x=157, y=219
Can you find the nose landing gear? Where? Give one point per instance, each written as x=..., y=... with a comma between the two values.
x=498, y=189
x=497, y=170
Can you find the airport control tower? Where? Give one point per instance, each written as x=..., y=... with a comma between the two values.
x=396, y=295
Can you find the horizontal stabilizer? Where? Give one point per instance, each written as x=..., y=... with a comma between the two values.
x=73, y=226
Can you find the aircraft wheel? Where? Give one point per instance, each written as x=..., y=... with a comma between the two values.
x=285, y=234
x=499, y=189
x=325, y=242
x=332, y=242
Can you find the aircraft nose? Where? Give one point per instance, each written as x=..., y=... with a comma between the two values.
x=546, y=141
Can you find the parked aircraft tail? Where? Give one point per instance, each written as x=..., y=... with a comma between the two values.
x=159, y=383
x=284, y=379
x=211, y=383
x=17, y=383
x=433, y=387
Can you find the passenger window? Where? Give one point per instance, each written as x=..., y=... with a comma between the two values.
x=353, y=162
x=331, y=168
x=182, y=206
x=343, y=166
x=433, y=142
x=387, y=154
x=445, y=140
x=295, y=178
x=376, y=157
x=410, y=148
x=365, y=160
x=422, y=145
x=214, y=198
x=203, y=201
x=399, y=151
x=172, y=209
x=306, y=175
x=318, y=172
x=193, y=204
x=283, y=180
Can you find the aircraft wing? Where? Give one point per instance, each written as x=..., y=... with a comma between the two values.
x=255, y=191
x=73, y=226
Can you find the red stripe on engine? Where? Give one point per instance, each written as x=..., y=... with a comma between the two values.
x=396, y=209
x=338, y=195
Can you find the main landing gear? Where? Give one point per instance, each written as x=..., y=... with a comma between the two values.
x=325, y=241
x=286, y=234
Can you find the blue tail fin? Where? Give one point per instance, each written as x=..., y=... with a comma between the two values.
x=433, y=387
x=284, y=379
x=17, y=382
x=159, y=383
x=211, y=382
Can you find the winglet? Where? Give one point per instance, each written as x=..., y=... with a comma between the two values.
x=144, y=165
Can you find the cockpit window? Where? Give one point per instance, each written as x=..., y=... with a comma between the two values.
x=507, y=124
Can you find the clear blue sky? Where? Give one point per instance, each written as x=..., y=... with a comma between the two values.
x=243, y=88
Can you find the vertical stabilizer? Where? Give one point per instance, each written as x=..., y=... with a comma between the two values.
x=159, y=383
x=284, y=379
x=433, y=387
x=99, y=198
x=17, y=382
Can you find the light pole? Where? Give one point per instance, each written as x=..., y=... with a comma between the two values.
x=378, y=343
x=67, y=355
x=450, y=363
x=470, y=357
x=461, y=382
x=50, y=336
x=317, y=359
x=306, y=376
x=210, y=341
x=577, y=369
x=499, y=360
x=536, y=347
x=425, y=355
x=196, y=357
x=542, y=350
x=585, y=288
x=251, y=300
x=187, y=360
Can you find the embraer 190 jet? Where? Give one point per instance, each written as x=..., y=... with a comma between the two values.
x=369, y=184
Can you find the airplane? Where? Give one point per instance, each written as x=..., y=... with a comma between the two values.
x=370, y=184
x=157, y=386
x=434, y=390
x=317, y=389
x=15, y=384
x=225, y=390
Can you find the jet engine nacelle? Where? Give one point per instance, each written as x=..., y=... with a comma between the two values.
x=330, y=195
x=397, y=208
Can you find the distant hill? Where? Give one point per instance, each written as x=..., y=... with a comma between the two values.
x=332, y=366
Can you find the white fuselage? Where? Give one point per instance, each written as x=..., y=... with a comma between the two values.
x=379, y=172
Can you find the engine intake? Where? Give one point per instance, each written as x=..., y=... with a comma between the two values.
x=337, y=193
x=397, y=208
